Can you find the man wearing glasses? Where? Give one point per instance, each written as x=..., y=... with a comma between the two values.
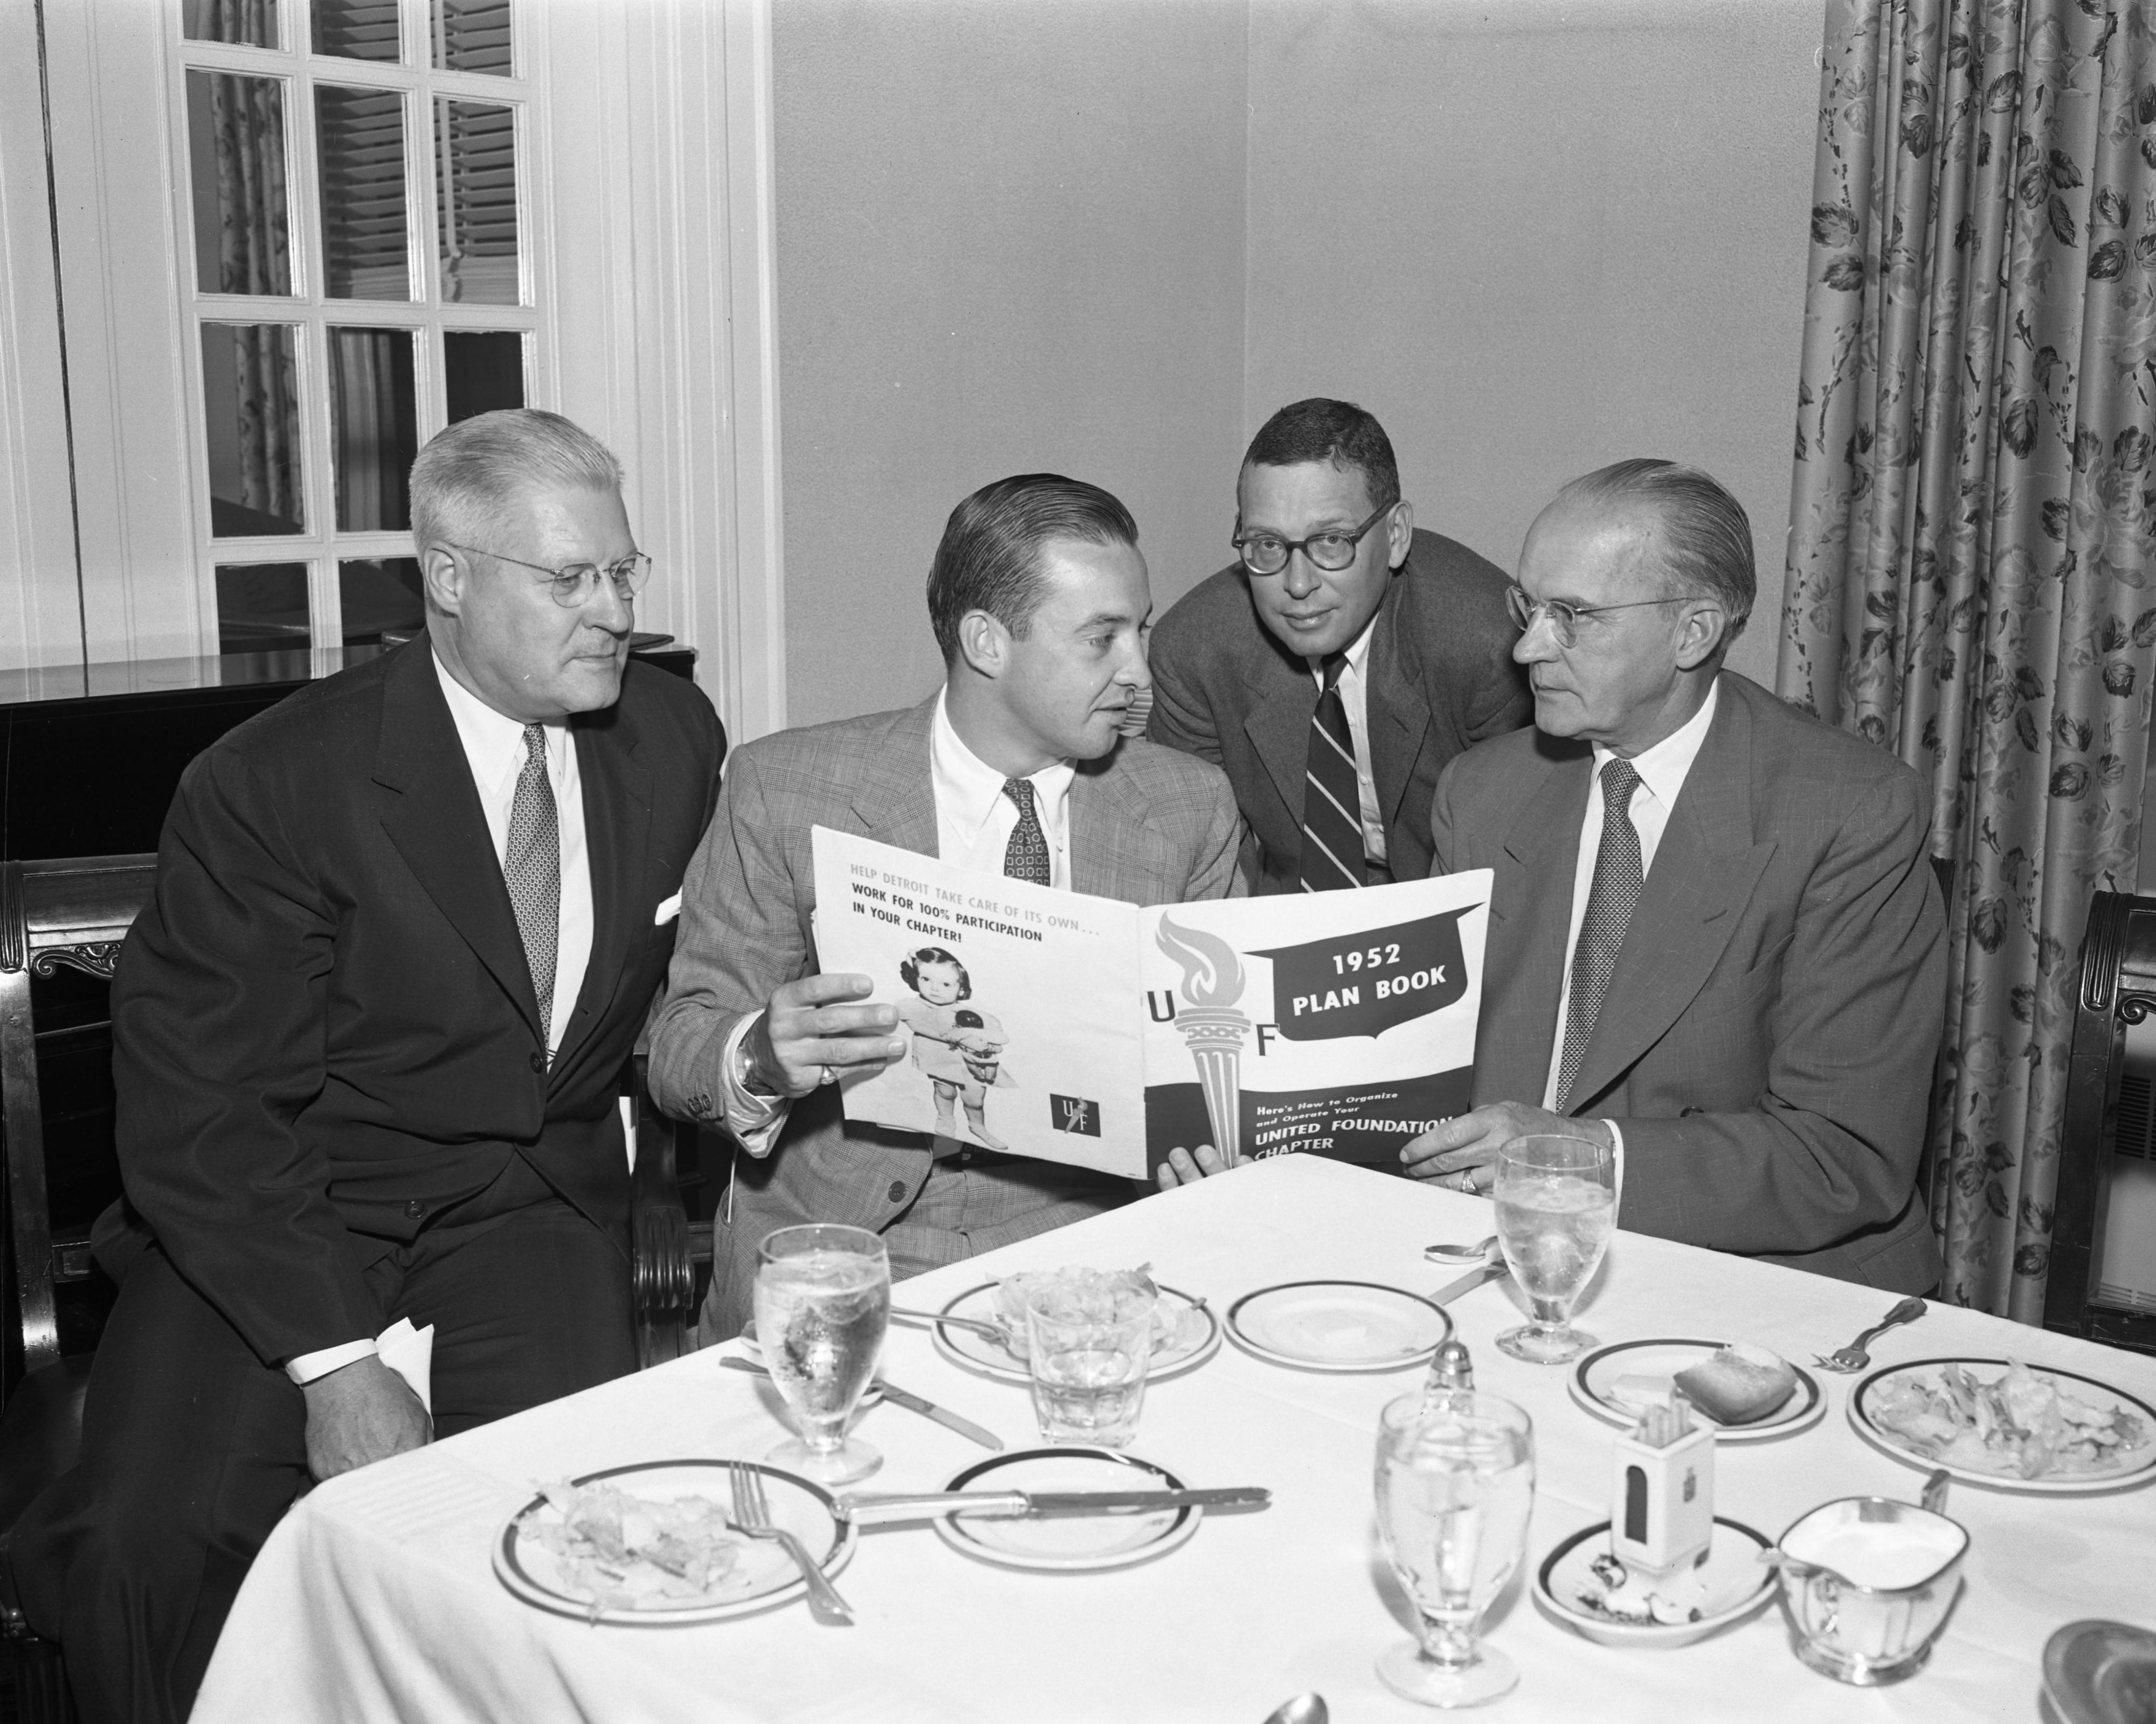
x=1715, y=940
x=367, y=1040
x=1336, y=667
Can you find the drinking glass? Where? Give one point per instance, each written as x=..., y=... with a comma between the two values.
x=823, y=1301
x=1456, y=1481
x=1557, y=1201
x=1087, y=1352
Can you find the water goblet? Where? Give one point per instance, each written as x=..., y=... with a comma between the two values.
x=823, y=1302
x=1557, y=1201
x=1456, y=1481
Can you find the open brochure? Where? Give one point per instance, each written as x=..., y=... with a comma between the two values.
x=1089, y=1031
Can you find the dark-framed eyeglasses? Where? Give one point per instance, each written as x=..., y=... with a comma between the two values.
x=1564, y=618
x=574, y=583
x=1267, y=553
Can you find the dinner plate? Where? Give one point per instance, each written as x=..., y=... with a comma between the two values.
x=1068, y=1544
x=1339, y=1325
x=1578, y=1579
x=764, y=1579
x=1665, y=1356
x=2138, y=1466
x=977, y=1351
x=2101, y=1672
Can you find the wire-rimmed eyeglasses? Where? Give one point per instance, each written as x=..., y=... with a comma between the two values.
x=1562, y=616
x=1267, y=553
x=574, y=583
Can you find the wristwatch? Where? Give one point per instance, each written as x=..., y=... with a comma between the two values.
x=745, y=1074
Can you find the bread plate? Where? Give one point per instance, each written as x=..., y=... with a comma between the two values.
x=1664, y=1355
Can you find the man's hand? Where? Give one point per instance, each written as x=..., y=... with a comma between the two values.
x=1456, y=1153
x=359, y=1414
x=1187, y=1167
x=806, y=1028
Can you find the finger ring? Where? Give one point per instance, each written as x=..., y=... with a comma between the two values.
x=829, y=1075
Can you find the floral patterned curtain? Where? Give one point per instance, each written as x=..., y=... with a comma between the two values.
x=1970, y=580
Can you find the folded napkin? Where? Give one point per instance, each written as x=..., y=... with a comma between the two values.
x=410, y=1353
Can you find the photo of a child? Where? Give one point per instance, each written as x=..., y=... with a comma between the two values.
x=958, y=1049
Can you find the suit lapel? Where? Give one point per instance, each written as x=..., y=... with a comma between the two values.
x=896, y=799
x=1283, y=695
x=617, y=798
x=1704, y=872
x=1396, y=715
x=1525, y=965
x=434, y=819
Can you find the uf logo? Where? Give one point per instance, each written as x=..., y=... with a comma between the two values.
x=1073, y=1113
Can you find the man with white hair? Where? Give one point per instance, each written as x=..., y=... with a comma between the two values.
x=366, y=1042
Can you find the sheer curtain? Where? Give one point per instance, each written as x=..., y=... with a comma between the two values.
x=1969, y=577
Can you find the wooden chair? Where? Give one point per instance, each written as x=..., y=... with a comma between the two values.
x=2117, y=988
x=664, y=1246
x=70, y=913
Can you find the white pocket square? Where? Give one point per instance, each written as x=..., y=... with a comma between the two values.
x=668, y=908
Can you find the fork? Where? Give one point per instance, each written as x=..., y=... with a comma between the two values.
x=981, y=1326
x=752, y=1517
x=1853, y=1358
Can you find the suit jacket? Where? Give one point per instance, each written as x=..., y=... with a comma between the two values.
x=324, y=1031
x=1768, y=1038
x=1148, y=825
x=1439, y=677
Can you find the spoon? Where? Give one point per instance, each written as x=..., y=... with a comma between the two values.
x=994, y=1331
x=1460, y=1254
x=1303, y=1709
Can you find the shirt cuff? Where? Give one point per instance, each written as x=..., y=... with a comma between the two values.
x=754, y=1119
x=1617, y=1158
x=303, y=1368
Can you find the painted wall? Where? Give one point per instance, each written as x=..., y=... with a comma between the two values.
x=1010, y=239
x=1535, y=236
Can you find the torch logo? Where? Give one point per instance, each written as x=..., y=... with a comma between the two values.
x=1213, y=1030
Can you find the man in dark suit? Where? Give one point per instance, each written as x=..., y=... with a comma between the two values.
x=1715, y=940
x=1039, y=598
x=1334, y=668
x=367, y=1036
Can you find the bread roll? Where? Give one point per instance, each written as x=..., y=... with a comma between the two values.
x=1739, y=1385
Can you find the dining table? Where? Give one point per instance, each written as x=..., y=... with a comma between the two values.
x=376, y=1598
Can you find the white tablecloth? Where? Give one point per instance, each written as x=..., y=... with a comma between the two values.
x=374, y=1599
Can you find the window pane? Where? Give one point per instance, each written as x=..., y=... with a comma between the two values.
x=377, y=595
x=373, y=428
x=472, y=35
x=363, y=155
x=253, y=22
x=262, y=607
x=251, y=412
x=484, y=370
x=475, y=180
x=236, y=156
x=356, y=30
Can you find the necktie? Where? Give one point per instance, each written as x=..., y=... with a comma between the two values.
x=1025, y=857
x=1332, y=829
x=1610, y=902
x=533, y=871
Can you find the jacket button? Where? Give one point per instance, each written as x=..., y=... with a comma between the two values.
x=898, y=1191
x=538, y=1062
x=415, y=1208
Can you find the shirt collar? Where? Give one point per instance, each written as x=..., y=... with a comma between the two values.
x=1664, y=768
x=1358, y=650
x=967, y=788
x=493, y=742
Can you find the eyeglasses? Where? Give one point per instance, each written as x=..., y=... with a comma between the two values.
x=1267, y=553
x=1563, y=616
x=574, y=583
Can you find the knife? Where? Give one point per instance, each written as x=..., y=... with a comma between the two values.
x=1009, y=1504
x=1495, y=1270
x=905, y=1398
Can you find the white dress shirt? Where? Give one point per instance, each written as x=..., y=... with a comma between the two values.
x=1662, y=770
x=974, y=821
x=1355, y=696
x=493, y=750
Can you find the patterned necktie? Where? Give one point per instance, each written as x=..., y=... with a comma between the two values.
x=1025, y=857
x=1331, y=827
x=1610, y=902
x=533, y=869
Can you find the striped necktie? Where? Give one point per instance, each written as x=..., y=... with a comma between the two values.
x=1331, y=827
x=1025, y=857
x=533, y=871
x=1610, y=902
